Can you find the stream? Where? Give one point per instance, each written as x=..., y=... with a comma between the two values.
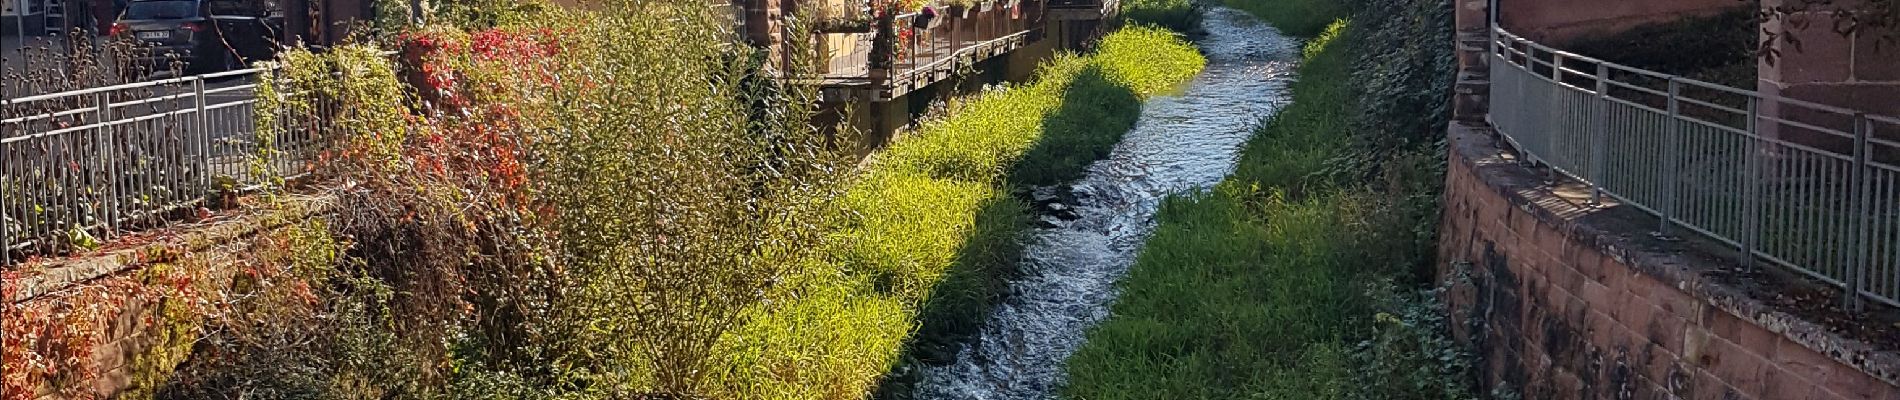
x=1182, y=143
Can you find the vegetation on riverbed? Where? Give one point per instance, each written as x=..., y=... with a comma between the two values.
x=543, y=204
x=1302, y=18
x=1041, y=133
x=1300, y=276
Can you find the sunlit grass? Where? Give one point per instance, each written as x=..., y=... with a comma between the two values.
x=1303, y=18
x=931, y=231
x=1267, y=286
x=1243, y=292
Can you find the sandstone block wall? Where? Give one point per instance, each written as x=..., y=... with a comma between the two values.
x=1569, y=302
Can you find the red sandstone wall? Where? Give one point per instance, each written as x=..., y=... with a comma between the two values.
x=1563, y=313
x=1854, y=72
x=1554, y=21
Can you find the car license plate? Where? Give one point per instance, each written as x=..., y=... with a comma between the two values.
x=155, y=35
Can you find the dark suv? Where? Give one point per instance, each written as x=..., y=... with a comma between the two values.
x=209, y=35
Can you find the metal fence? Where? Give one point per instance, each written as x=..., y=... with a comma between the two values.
x=79, y=167
x=927, y=49
x=1806, y=186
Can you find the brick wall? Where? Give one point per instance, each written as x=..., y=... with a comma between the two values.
x=1570, y=302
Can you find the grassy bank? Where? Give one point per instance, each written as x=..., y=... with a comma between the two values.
x=932, y=233
x=1303, y=18
x=1295, y=278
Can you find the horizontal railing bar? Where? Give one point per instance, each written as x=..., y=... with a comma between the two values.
x=37, y=117
x=1712, y=124
x=1807, y=126
x=1818, y=171
x=1695, y=101
x=149, y=100
x=1640, y=106
x=1635, y=87
x=249, y=86
x=96, y=125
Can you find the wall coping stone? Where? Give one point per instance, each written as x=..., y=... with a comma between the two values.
x=1621, y=233
x=49, y=276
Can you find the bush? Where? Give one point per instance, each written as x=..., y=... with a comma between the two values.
x=583, y=204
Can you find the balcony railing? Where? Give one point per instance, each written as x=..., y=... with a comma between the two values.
x=926, y=54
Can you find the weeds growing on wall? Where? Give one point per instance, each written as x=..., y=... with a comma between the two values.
x=1296, y=277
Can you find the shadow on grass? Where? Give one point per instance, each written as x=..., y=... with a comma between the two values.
x=1094, y=115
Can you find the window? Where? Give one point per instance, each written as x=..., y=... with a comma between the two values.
x=249, y=8
x=161, y=10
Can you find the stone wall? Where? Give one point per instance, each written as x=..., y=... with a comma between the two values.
x=1566, y=301
x=1854, y=71
x=121, y=319
x=1555, y=21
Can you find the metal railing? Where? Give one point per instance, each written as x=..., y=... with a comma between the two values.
x=928, y=48
x=83, y=166
x=1806, y=186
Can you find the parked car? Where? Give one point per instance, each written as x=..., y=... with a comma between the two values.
x=209, y=35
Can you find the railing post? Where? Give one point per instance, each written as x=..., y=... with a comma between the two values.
x=1600, y=134
x=1553, y=115
x=202, y=139
x=1671, y=158
x=1856, y=278
x=115, y=208
x=1751, y=186
x=7, y=191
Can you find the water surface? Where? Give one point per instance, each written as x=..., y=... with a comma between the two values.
x=1183, y=143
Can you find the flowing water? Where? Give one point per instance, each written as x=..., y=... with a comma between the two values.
x=1182, y=143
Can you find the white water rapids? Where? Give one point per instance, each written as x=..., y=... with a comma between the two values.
x=1183, y=143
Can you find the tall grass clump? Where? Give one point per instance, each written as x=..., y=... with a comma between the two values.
x=1295, y=278
x=931, y=232
x=1180, y=15
x=1304, y=18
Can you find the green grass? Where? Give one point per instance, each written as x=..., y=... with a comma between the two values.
x=1179, y=15
x=932, y=233
x=1303, y=18
x=1242, y=293
x=1268, y=286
